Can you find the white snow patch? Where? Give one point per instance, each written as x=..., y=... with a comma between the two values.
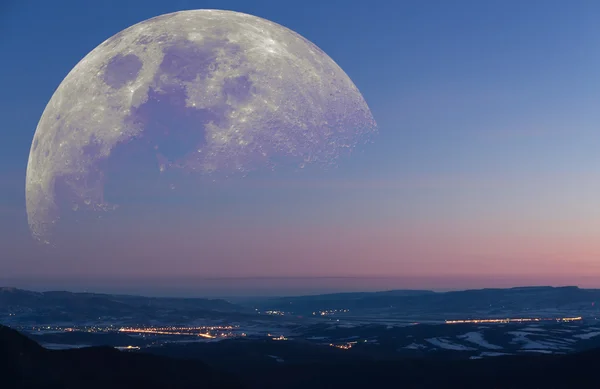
x=534, y=329
x=415, y=346
x=538, y=351
x=589, y=335
x=445, y=344
x=528, y=344
x=564, y=341
x=275, y=357
x=492, y=354
x=590, y=329
x=477, y=338
x=345, y=326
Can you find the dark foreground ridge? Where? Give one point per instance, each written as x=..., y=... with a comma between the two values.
x=25, y=364
x=547, y=372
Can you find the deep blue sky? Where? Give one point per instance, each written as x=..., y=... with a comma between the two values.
x=487, y=159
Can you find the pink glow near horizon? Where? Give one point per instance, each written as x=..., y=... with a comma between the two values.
x=424, y=257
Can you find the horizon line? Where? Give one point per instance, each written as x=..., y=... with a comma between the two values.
x=327, y=293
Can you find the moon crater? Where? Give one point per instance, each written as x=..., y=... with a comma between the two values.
x=122, y=69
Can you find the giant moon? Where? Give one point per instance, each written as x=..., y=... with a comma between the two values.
x=202, y=91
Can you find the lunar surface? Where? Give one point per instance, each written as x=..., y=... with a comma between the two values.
x=202, y=91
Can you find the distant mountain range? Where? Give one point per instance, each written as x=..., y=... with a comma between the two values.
x=449, y=304
x=55, y=307
x=59, y=306
x=109, y=301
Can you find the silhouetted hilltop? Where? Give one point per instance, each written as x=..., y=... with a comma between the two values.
x=50, y=307
x=25, y=364
x=19, y=297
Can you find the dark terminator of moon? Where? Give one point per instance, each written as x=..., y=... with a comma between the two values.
x=198, y=91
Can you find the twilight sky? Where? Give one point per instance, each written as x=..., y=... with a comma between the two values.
x=486, y=170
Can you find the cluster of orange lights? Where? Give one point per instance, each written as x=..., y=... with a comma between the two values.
x=275, y=313
x=330, y=312
x=158, y=332
x=344, y=346
x=201, y=328
x=203, y=332
x=127, y=348
x=515, y=320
